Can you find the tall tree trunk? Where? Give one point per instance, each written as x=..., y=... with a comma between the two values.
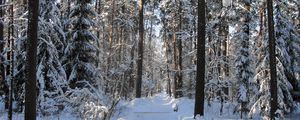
x=4, y=85
x=111, y=37
x=2, y=77
x=11, y=32
x=273, y=81
x=200, y=77
x=110, y=40
x=140, y=50
x=30, y=66
x=175, y=62
x=8, y=55
x=225, y=68
x=179, y=47
x=98, y=10
x=224, y=35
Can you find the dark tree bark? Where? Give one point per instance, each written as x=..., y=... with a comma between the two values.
x=30, y=66
x=3, y=84
x=179, y=67
x=273, y=81
x=200, y=77
x=1, y=43
x=11, y=39
x=140, y=50
x=98, y=10
x=8, y=45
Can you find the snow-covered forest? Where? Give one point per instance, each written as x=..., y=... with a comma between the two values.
x=149, y=59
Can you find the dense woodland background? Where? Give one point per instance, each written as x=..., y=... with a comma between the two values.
x=103, y=51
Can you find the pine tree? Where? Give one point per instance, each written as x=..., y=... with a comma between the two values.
x=280, y=88
x=80, y=52
x=287, y=49
x=50, y=73
x=286, y=39
x=243, y=61
x=80, y=64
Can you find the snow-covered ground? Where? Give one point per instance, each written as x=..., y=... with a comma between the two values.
x=62, y=116
x=158, y=107
x=161, y=107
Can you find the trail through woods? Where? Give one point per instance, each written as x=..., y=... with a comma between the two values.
x=161, y=107
x=158, y=107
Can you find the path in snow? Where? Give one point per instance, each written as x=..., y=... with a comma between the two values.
x=158, y=107
x=161, y=107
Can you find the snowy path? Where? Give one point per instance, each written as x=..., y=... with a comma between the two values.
x=158, y=107
x=161, y=107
